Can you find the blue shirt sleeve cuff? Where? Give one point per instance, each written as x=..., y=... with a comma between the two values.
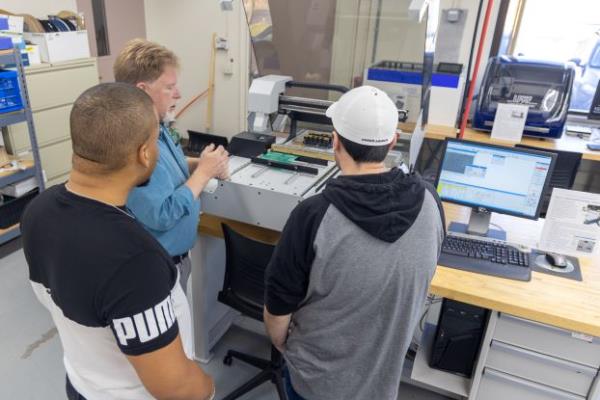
x=186, y=194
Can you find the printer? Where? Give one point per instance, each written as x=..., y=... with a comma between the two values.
x=542, y=85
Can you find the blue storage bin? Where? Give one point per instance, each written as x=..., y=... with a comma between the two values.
x=10, y=94
x=6, y=43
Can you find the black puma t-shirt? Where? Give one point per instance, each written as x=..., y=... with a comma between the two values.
x=110, y=287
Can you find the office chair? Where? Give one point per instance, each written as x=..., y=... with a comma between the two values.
x=563, y=177
x=243, y=290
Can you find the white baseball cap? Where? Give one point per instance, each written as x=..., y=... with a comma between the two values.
x=365, y=115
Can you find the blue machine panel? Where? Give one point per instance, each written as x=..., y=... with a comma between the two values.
x=411, y=73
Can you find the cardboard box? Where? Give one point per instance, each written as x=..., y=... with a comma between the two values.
x=60, y=46
x=3, y=155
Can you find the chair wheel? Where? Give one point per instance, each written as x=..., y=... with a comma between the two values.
x=227, y=360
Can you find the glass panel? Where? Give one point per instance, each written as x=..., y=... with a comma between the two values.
x=555, y=31
x=333, y=41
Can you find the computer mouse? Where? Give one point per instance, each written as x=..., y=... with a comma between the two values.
x=556, y=260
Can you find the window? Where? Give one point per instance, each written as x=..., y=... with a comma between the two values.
x=560, y=31
x=101, y=27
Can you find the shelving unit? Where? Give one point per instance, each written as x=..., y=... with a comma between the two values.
x=12, y=59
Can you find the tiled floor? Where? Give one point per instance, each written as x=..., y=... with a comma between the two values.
x=30, y=350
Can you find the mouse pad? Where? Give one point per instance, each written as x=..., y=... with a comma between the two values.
x=539, y=264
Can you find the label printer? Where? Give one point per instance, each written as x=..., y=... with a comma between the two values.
x=543, y=86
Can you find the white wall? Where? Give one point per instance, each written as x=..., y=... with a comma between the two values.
x=186, y=27
x=38, y=8
x=465, y=46
x=472, y=5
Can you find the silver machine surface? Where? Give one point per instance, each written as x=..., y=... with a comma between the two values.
x=263, y=195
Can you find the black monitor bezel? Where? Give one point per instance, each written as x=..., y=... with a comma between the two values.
x=592, y=114
x=504, y=148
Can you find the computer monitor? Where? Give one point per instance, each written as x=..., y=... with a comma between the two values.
x=492, y=178
x=594, y=112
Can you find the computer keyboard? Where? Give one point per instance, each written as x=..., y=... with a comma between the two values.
x=485, y=256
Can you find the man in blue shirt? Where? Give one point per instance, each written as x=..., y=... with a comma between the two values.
x=168, y=205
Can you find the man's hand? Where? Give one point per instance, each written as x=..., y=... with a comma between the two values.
x=213, y=163
x=168, y=374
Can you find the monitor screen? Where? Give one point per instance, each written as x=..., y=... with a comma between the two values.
x=501, y=179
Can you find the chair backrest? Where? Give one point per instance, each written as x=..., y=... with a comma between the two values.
x=565, y=171
x=246, y=261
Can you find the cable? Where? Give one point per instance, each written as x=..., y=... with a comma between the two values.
x=470, y=63
x=431, y=300
x=201, y=95
x=498, y=226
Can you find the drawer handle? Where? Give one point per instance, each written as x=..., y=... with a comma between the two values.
x=543, y=358
x=513, y=380
x=560, y=331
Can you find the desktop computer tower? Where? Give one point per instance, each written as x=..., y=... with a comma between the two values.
x=458, y=337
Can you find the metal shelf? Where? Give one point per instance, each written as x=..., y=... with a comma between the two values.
x=9, y=234
x=13, y=118
x=17, y=177
x=12, y=58
x=7, y=57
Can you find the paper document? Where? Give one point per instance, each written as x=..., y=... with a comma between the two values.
x=509, y=122
x=572, y=223
x=415, y=143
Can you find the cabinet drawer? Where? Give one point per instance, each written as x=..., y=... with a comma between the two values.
x=60, y=86
x=50, y=125
x=536, y=367
x=57, y=180
x=500, y=386
x=547, y=340
x=56, y=159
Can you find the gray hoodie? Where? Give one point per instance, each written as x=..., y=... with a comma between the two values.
x=353, y=267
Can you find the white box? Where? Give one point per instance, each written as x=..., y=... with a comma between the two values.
x=33, y=53
x=15, y=23
x=20, y=188
x=17, y=38
x=444, y=105
x=60, y=46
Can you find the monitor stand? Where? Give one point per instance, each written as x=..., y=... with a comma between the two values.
x=479, y=225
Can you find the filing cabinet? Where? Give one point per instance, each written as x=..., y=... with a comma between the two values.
x=53, y=88
x=531, y=360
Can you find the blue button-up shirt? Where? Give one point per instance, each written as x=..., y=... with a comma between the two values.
x=166, y=207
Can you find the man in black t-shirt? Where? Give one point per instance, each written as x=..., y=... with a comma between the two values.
x=111, y=289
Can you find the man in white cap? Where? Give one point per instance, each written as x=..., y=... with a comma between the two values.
x=349, y=277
